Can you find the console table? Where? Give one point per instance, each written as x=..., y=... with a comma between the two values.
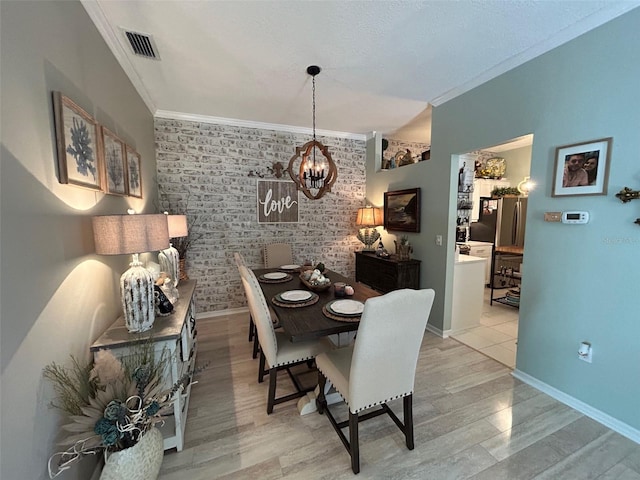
x=387, y=274
x=175, y=333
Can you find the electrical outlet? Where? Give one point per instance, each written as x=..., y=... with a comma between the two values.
x=439, y=240
x=585, y=352
x=552, y=216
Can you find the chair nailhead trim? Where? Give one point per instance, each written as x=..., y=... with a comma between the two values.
x=402, y=395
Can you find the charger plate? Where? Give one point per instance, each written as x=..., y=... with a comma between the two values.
x=305, y=303
x=346, y=308
x=275, y=277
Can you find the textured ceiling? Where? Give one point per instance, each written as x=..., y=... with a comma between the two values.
x=382, y=62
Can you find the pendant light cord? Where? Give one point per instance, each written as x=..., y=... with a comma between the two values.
x=313, y=90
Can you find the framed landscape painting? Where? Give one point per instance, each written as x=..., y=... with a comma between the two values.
x=402, y=210
x=115, y=164
x=77, y=135
x=134, y=177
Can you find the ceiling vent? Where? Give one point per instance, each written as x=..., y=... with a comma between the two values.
x=142, y=44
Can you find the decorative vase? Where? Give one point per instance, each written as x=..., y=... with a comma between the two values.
x=403, y=251
x=183, y=270
x=140, y=462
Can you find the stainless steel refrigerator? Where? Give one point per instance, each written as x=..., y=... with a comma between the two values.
x=501, y=221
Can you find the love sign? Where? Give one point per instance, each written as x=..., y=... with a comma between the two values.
x=277, y=202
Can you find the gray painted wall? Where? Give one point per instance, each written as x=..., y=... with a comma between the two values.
x=580, y=281
x=57, y=296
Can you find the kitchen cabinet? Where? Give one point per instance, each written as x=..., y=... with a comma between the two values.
x=468, y=292
x=174, y=334
x=387, y=274
x=482, y=187
x=482, y=250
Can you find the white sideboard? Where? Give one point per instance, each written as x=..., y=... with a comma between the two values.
x=175, y=334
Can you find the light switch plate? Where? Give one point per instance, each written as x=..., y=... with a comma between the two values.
x=552, y=216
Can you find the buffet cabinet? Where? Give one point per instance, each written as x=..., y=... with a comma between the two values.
x=387, y=274
x=173, y=335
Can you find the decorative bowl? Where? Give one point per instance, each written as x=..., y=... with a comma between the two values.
x=315, y=288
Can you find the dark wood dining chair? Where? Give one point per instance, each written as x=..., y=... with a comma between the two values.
x=380, y=366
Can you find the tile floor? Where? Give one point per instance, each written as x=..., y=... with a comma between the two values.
x=497, y=335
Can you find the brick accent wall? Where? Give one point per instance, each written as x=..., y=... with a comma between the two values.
x=216, y=167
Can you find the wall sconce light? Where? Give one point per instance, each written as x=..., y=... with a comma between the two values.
x=525, y=186
x=169, y=259
x=315, y=176
x=369, y=217
x=133, y=234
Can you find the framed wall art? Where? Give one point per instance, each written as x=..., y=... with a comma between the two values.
x=134, y=175
x=277, y=201
x=402, y=210
x=582, y=168
x=115, y=163
x=77, y=136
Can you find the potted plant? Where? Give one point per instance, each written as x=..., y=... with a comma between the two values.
x=403, y=250
x=504, y=191
x=113, y=406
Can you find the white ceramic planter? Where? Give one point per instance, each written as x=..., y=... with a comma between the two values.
x=140, y=462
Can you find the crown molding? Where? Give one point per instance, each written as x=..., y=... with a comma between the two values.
x=192, y=117
x=111, y=38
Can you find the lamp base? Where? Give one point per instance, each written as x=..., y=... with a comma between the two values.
x=138, y=300
x=169, y=263
x=368, y=236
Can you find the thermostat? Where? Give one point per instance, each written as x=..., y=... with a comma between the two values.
x=575, y=217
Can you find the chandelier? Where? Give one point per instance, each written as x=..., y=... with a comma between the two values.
x=317, y=172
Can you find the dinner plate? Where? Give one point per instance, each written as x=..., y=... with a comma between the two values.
x=296, y=295
x=274, y=276
x=289, y=267
x=347, y=307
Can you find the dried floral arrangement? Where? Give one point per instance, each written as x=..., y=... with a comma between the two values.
x=111, y=403
x=178, y=204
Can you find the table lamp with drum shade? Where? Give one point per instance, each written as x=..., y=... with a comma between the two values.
x=133, y=234
x=369, y=217
x=169, y=259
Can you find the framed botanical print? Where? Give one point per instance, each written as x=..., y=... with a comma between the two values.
x=77, y=136
x=582, y=168
x=115, y=163
x=134, y=176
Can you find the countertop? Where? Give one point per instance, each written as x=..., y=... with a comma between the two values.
x=469, y=259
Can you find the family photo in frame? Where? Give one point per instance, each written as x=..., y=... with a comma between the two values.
x=582, y=168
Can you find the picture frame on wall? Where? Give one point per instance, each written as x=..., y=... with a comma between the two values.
x=134, y=172
x=402, y=210
x=77, y=138
x=277, y=201
x=115, y=164
x=582, y=168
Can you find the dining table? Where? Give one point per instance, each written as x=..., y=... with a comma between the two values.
x=314, y=320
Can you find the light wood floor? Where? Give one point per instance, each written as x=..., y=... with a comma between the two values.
x=472, y=420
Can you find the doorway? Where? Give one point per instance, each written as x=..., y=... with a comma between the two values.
x=496, y=168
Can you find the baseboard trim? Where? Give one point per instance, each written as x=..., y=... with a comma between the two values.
x=437, y=331
x=221, y=313
x=597, y=415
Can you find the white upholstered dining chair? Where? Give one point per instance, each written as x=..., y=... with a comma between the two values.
x=240, y=262
x=380, y=366
x=277, y=254
x=276, y=350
